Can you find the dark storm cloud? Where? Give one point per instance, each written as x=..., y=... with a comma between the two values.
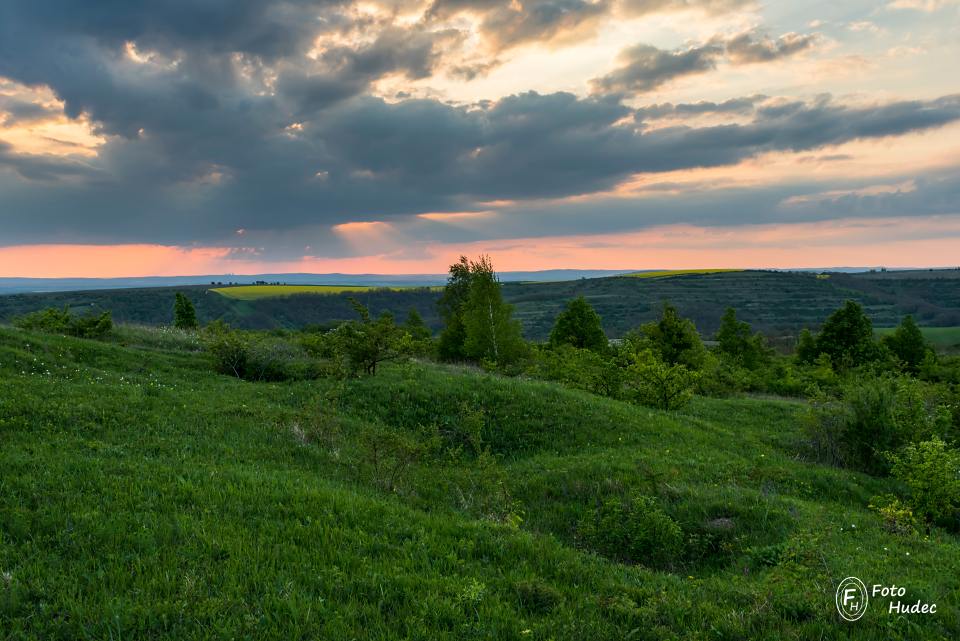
x=344, y=72
x=41, y=167
x=369, y=159
x=645, y=68
x=233, y=126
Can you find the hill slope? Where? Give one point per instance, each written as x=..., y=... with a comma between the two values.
x=146, y=497
x=777, y=303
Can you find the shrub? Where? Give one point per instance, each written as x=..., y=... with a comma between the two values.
x=579, y=368
x=257, y=358
x=650, y=381
x=633, y=531
x=229, y=349
x=897, y=516
x=362, y=345
x=872, y=417
x=537, y=597
x=387, y=456
x=55, y=321
x=931, y=469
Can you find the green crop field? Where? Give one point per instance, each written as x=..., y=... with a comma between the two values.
x=256, y=292
x=143, y=496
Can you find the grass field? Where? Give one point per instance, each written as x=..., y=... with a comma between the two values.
x=664, y=273
x=942, y=338
x=144, y=497
x=256, y=292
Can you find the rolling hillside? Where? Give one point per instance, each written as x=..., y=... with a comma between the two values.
x=164, y=501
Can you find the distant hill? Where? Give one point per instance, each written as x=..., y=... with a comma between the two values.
x=35, y=285
x=777, y=303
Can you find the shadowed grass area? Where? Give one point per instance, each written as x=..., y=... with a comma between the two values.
x=144, y=496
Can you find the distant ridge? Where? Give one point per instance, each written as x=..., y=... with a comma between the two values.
x=9, y=285
x=27, y=285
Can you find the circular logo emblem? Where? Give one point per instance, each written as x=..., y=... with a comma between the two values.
x=851, y=598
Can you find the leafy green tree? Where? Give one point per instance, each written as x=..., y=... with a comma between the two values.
x=579, y=325
x=736, y=340
x=366, y=343
x=673, y=338
x=451, y=304
x=184, y=314
x=490, y=334
x=415, y=326
x=908, y=345
x=847, y=337
x=806, y=350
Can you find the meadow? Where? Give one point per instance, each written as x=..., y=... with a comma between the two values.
x=145, y=496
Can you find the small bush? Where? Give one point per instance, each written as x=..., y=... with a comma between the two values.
x=653, y=382
x=257, y=358
x=897, y=516
x=386, y=456
x=537, y=597
x=579, y=368
x=634, y=531
x=872, y=417
x=55, y=321
x=931, y=469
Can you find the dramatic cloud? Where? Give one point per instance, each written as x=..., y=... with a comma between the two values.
x=646, y=68
x=179, y=123
x=739, y=106
x=751, y=47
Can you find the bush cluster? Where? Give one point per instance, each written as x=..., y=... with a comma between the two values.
x=633, y=530
x=56, y=321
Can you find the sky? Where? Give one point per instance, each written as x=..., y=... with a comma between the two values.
x=181, y=137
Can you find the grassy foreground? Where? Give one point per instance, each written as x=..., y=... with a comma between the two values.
x=143, y=496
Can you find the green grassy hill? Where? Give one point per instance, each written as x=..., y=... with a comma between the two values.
x=143, y=496
x=776, y=303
